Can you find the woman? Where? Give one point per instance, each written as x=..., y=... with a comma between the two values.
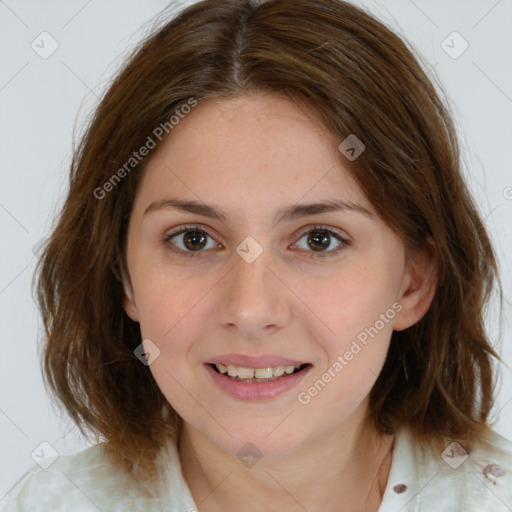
x=266, y=286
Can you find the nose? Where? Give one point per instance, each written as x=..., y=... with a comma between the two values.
x=253, y=301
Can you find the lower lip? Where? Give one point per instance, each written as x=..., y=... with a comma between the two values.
x=256, y=390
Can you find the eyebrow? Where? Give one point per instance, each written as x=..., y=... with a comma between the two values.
x=285, y=214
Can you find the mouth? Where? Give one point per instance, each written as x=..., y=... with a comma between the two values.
x=257, y=375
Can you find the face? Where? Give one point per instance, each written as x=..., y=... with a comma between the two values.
x=228, y=267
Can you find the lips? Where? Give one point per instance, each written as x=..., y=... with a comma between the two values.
x=256, y=377
x=253, y=388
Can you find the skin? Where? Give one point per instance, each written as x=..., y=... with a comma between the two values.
x=250, y=156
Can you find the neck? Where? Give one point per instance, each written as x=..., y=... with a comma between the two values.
x=344, y=472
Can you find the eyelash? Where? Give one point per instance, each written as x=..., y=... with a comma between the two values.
x=313, y=254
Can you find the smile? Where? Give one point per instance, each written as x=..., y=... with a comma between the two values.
x=260, y=382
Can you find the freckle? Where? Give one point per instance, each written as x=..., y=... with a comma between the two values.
x=400, y=488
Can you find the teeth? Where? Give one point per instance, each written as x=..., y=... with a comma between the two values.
x=255, y=374
x=278, y=371
x=245, y=373
x=263, y=373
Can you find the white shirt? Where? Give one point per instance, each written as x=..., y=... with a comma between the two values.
x=450, y=482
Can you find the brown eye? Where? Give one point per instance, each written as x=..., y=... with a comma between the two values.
x=190, y=242
x=319, y=240
x=194, y=240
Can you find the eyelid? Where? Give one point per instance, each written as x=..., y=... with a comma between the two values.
x=323, y=227
x=187, y=227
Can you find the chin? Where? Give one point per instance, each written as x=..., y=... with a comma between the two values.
x=268, y=442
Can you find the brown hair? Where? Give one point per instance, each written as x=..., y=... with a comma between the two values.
x=359, y=78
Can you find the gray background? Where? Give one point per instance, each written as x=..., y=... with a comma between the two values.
x=44, y=102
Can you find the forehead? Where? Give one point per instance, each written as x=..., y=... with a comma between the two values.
x=252, y=150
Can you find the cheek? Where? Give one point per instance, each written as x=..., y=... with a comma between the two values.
x=355, y=357
x=168, y=317
x=352, y=301
x=165, y=300
x=358, y=310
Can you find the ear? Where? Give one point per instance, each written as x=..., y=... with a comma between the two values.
x=419, y=286
x=129, y=305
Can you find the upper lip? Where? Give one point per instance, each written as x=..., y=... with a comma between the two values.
x=254, y=361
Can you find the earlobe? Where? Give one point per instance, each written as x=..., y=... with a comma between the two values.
x=419, y=288
x=129, y=305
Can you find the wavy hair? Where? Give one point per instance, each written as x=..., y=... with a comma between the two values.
x=359, y=78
